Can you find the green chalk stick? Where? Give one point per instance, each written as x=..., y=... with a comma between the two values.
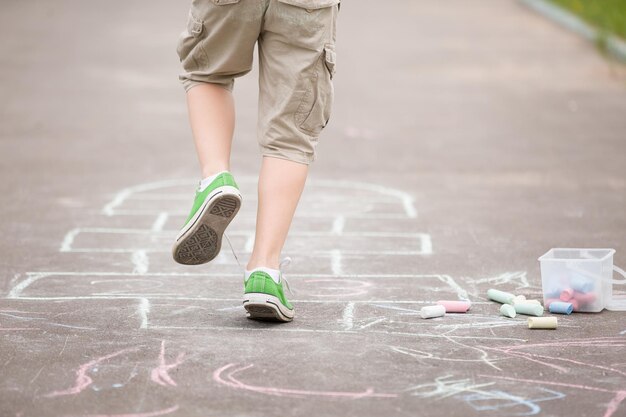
x=530, y=309
x=507, y=310
x=500, y=296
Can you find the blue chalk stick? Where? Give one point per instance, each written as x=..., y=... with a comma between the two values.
x=560, y=307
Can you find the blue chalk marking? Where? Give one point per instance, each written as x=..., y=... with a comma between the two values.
x=560, y=307
x=506, y=400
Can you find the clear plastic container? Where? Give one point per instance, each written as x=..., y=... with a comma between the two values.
x=583, y=277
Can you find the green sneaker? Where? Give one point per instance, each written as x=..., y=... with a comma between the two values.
x=200, y=239
x=264, y=298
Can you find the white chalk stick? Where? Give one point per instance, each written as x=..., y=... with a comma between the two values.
x=430, y=312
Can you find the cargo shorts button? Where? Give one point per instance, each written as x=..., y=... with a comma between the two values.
x=308, y=10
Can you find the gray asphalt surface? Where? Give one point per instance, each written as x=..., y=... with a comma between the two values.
x=467, y=139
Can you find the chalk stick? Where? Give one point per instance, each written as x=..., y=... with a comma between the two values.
x=455, y=306
x=575, y=304
x=507, y=310
x=500, y=296
x=581, y=284
x=519, y=298
x=542, y=322
x=530, y=309
x=430, y=312
x=552, y=300
x=585, y=298
x=561, y=307
x=526, y=301
x=567, y=294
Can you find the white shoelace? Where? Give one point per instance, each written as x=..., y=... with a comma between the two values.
x=286, y=261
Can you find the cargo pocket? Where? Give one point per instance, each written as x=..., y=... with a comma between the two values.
x=311, y=4
x=190, y=54
x=315, y=107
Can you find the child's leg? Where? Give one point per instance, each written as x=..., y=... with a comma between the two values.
x=212, y=119
x=280, y=186
x=296, y=66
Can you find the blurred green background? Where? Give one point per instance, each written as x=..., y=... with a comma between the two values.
x=608, y=15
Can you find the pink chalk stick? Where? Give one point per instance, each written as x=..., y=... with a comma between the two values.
x=567, y=294
x=585, y=298
x=455, y=306
x=550, y=301
x=575, y=304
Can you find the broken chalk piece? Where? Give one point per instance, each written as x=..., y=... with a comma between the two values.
x=500, y=296
x=455, y=306
x=430, y=312
x=507, y=310
x=561, y=307
x=530, y=309
x=542, y=322
x=519, y=299
x=567, y=294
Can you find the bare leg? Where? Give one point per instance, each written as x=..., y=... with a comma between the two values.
x=280, y=185
x=212, y=119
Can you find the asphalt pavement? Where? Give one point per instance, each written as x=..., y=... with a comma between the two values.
x=467, y=139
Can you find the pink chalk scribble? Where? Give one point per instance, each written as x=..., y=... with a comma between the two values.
x=550, y=361
x=82, y=379
x=160, y=374
x=232, y=382
x=149, y=414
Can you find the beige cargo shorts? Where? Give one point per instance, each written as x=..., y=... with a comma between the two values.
x=296, y=47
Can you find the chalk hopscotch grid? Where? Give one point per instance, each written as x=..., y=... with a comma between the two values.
x=417, y=243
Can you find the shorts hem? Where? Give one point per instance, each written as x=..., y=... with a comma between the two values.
x=188, y=84
x=299, y=157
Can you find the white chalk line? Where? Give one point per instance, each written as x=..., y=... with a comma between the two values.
x=210, y=299
x=347, y=316
x=371, y=323
x=32, y=277
x=404, y=198
x=424, y=240
x=16, y=291
x=160, y=221
x=143, y=309
x=251, y=216
x=504, y=278
x=68, y=240
x=121, y=196
x=244, y=233
x=140, y=262
x=336, y=262
x=320, y=253
x=337, y=331
x=338, y=225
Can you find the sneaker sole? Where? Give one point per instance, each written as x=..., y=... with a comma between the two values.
x=266, y=307
x=200, y=241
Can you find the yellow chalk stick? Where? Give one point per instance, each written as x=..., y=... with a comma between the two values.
x=542, y=322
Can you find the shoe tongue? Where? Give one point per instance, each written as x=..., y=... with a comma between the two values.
x=274, y=273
